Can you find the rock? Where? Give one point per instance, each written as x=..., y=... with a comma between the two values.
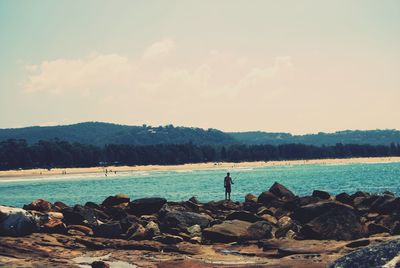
x=54, y=226
x=147, y=206
x=285, y=222
x=55, y=215
x=228, y=231
x=266, y=198
x=259, y=230
x=138, y=233
x=339, y=223
x=359, y=194
x=389, y=206
x=243, y=216
x=16, y=222
x=194, y=230
x=395, y=230
x=58, y=206
x=100, y=264
x=344, y=198
x=39, y=205
x=236, y=230
x=321, y=194
x=79, y=215
x=307, y=200
x=306, y=213
x=379, y=255
x=84, y=229
x=116, y=213
x=168, y=239
x=152, y=229
x=271, y=219
x=108, y=230
x=281, y=191
x=194, y=200
x=374, y=228
x=250, y=198
x=183, y=219
x=116, y=200
x=358, y=243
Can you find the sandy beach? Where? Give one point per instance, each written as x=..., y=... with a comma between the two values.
x=223, y=165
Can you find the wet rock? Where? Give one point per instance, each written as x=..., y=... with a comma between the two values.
x=344, y=198
x=147, y=206
x=79, y=215
x=321, y=194
x=250, y=198
x=119, y=199
x=168, y=239
x=152, y=229
x=39, y=205
x=59, y=206
x=281, y=191
x=100, y=264
x=183, y=219
x=243, y=216
x=372, y=256
x=108, y=230
x=339, y=223
x=16, y=222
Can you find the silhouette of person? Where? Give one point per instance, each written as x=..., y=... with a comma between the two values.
x=227, y=184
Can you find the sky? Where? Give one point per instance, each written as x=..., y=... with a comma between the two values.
x=298, y=66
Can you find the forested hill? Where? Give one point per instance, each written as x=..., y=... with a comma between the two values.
x=99, y=134
x=373, y=137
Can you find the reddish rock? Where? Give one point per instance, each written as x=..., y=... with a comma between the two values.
x=54, y=226
x=39, y=205
x=281, y=191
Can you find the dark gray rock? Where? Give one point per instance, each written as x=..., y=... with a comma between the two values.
x=309, y=212
x=147, y=206
x=321, y=194
x=184, y=219
x=116, y=200
x=79, y=215
x=108, y=230
x=243, y=216
x=371, y=256
x=281, y=191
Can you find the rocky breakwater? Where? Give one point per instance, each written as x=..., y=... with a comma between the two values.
x=275, y=224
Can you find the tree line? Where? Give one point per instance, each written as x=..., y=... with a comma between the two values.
x=16, y=154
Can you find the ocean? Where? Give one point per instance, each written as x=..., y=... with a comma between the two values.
x=206, y=185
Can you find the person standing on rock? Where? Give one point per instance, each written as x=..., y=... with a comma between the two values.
x=227, y=184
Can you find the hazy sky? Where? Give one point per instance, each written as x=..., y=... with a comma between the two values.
x=295, y=66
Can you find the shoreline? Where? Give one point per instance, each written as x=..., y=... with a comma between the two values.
x=196, y=166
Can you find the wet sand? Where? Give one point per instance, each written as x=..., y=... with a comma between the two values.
x=197, y=166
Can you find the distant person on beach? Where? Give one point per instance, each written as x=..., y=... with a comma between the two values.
x=227, y=184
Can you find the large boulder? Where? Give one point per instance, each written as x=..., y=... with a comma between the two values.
x=321, y=194
x=147, y=206
x=119, y=199
x=266, y=198
x=338, y=223
x=306, y=213
x=108, y=230
x=184, y=219
x=243, y=216
x=281, y=191
x=16, y=222
x=344, y=198
x=79, y=215
x=236, y=230
x=250, y=198
x=39, y=205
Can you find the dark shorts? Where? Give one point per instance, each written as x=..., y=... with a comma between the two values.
x=228, y=189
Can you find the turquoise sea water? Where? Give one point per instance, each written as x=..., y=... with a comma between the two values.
x=206, y=185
